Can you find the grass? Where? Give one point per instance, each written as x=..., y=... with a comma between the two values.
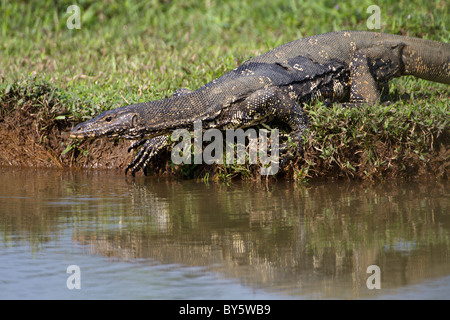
x=376, y=141
x=144, y=50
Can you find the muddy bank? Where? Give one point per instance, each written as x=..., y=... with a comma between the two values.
x=34, y=122
x=29, y=139
x=25, y=141
x=373, y=143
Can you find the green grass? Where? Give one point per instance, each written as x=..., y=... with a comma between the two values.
x=145, y=50
x=376, y=141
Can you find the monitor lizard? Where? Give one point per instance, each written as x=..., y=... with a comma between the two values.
x=344, y=66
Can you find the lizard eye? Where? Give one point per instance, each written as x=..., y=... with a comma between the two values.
x=108, y=119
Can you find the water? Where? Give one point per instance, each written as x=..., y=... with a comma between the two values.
x=149, y=238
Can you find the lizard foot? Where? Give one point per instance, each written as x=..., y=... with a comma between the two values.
x=150, y=148
x=288, y=151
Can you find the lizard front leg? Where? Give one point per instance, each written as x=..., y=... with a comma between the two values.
x=150, y=147
x=280, y=105
x=292, y=114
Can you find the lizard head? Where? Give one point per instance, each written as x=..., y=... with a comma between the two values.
x=123, y=122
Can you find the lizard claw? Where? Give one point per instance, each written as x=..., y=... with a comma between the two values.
x=137, y=144
x=149, y=149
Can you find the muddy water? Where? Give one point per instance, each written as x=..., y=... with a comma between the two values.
x=167, y=239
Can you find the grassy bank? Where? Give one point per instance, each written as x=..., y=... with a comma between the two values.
x=52, y=77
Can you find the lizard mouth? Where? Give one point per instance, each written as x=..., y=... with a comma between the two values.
x=78, y=132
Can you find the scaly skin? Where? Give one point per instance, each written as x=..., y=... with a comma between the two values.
x=345, y=66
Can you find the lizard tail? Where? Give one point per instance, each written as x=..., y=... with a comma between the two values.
x=426, y=59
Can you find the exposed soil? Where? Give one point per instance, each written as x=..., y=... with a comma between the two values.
x=29, y=139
